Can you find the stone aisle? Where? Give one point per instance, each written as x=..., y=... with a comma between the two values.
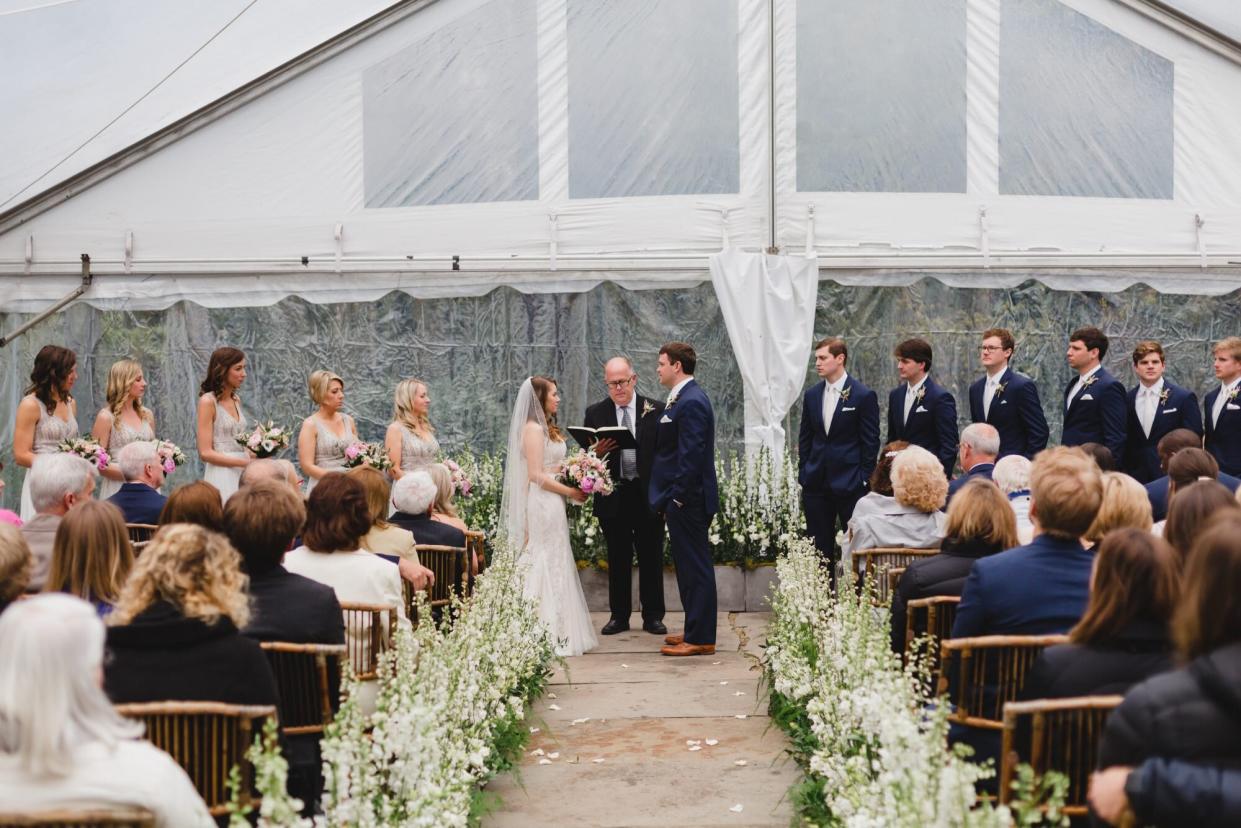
x=613, y=740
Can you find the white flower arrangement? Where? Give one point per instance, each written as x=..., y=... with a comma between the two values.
x=760, y=508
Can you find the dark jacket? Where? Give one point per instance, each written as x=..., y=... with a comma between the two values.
x=1016, y=413
x=288, y=607
x=138, y=502
x=932, y=421
x=1178, y=794
x=982, y=470
x=840, y=462
x=1157, y=493
x=428, y=532
x=1097, y=415
x=603, y=414
x=1179, y=410
x=942, y=574
x=1223, y=439
x=163, y=656
x=1110, y=667
x=684, y=467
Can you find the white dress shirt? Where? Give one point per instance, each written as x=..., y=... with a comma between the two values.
x=676, y=390
x=831, y=395
x=1077, y=386
x=911, y=394
x=988, y=392
x=1225, y=388
x=1146, y=403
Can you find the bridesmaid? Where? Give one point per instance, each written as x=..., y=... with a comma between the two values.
x=124, y=420
x=326, y=434
x=410, y=440
x=47, y=414
x=220, y=420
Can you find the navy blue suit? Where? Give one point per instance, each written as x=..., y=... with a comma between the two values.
x=138, y=502
x=1016, y=413
x=683, y=488
x=932, y=421
x=833, y=468
x=1157, y=492
x=980, y=470
x=1098, y=414
x=1178, y=410
x=1223, y=439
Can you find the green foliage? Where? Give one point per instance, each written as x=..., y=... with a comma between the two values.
x=1039, y=801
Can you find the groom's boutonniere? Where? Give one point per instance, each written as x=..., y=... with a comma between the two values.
x=647, y=407
x=1163, y=396
x=844, y=394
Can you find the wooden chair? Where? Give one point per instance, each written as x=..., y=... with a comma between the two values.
x=451, y=565
x=303, y=681
x=932, y=615
x=89, y=818
x=206, y=739
x=873, y=564
x=894, y=578
x=141, y=532
x=476, y=543
x=981, y=674
x=367, y=636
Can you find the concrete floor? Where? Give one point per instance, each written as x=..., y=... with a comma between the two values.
x=635, y=710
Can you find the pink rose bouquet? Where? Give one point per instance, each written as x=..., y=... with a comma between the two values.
x=170, y=455
x=585, y=471
x=87, y=448
x=460, y=483
x=367, y=454
x=266, y=440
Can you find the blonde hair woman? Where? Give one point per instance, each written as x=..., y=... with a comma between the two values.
x=122, y=421
x=442, y=509
x=919, y=490
x=385, y=538
x=410, y=439
x=91, y=555
x=1125, y=505
x=328, y=432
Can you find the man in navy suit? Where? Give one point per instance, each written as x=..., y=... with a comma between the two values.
x=919, y=410
x=980, y=443
x=1223, y=408
x=1156, y=408
x=683, y=489
x=1157, y=489
x=1094, y=402
x=837, y=445
x=1007, y=399
x=138, y=498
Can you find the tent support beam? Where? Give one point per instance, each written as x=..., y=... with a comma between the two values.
x=73, y=294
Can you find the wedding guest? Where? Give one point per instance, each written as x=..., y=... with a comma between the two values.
x=1223, y=408
x=139, y=498
x=46, y=415
x=58, y=482
x=326, y=434
x=61, y=742
x=1094, y=401
x=1157, y=490
x=1123, y=637
x=1193, y=508
x=1185, y=467
x=383, y=538
x=410, y=439
x=1101, y=455
x=979, y=524
x=174, y=635
x=270, y=468
x=15, y=565
x=122, y=421
x=880, y=498
x=919, y=489
x=197, y=503
x=920, y=411
x=1008, y=399
x=979, y=447
x=1173, y=793
x=413, y=495
x=221, y=420
x=1124, y=506
x=443, y=510
x=1012, y=475
x=91, y=556
x=1156, y=408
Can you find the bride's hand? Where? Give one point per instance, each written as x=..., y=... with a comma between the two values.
x=579, y=495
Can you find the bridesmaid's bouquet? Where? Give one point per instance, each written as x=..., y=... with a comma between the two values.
x=266, y=440
x=170, y=455
x=88, y=449
x=585, y=471
x=460, y=482
x=367, y=454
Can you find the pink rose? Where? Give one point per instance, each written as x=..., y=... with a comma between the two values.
x=353, y=451
x=102, y=459
x=169, y=466
x=588, y=484
x=255, y=441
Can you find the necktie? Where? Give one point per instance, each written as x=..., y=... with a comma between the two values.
x=987, y=397
x=629, y=457
x=829, y=408
x=1146, y=412
x=1220, y=402
x=909, y=402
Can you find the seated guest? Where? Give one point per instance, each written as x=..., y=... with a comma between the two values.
x=980, y=444
x=1172, y=442
x=1101, y=455
x=443, y=509
x=58, y=482
x=1193, y=507
x=197, y=503
x=384, y=538
x=879, y=495
x=138, y=498
x=1042, y=587
x=1191, y=713
x=14, y=564
x=919, y=488
x=979, y=524
x=62, y=745
x=1169, y=792
x=1185, y=467
x=413, y=495
x=270, y=468
x=174, y=635
x=1012, y=475
x=91, y=556
x=1125, y=505
x=1123, y=638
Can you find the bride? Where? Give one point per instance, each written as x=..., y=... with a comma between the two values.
x=532, y=513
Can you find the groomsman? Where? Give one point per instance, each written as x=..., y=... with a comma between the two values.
x=629, y=526
x=1007, y=399
x=1094, y=402
x=1223, y=407
x=920, y=411
x=1156, y=407
x=837, y=445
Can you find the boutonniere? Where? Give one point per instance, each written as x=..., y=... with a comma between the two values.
x=1232, y=395
x=1089, y=381
x=999, y=388
x=844, y=394
x=647, y=407
x=921, y=393
x=1163, y=396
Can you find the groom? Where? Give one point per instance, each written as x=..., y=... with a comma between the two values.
x=683, y=490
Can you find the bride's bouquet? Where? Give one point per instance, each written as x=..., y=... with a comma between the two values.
x=367, y=454
x=585, y=471
x=88, y=449
x=170, y=455
x=266, y=440
x=461, y=483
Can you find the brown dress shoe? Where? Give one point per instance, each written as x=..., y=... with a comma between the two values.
x=684, y=649
x=674, y=639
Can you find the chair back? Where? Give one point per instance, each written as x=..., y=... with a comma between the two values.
x=303, y=683
x=206, y=739
x=141, y=532
x=1055, y=735
x=873, y=565
x=368, y=633
x=476, y=543
x=451, y=565
x=981, y=674
x=932, y=615
x=86, y=818
x=894, y=578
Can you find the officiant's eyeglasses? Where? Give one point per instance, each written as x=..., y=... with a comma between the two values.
x=618, y=384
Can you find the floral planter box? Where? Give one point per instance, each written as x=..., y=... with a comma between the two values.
x=737, y=589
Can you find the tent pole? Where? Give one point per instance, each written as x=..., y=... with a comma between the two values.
x=74, y=294
x=771, y=127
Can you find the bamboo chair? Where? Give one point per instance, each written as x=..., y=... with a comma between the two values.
x=206, y=739
x=932, y=615
x=141, y=532
x=894, y=578
x=367, y=636
x=451, y=565
x=1055, y=735
x=980, y=674
x=88, y=818
x=303, y=683
x=476, y=543
x=873, y=564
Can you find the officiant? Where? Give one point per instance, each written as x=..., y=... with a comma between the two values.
x=629, y=526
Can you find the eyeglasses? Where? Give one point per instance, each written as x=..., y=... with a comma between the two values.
x=989, y=348
x=618, y=384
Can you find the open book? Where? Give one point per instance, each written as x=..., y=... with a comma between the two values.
x=586, y=437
